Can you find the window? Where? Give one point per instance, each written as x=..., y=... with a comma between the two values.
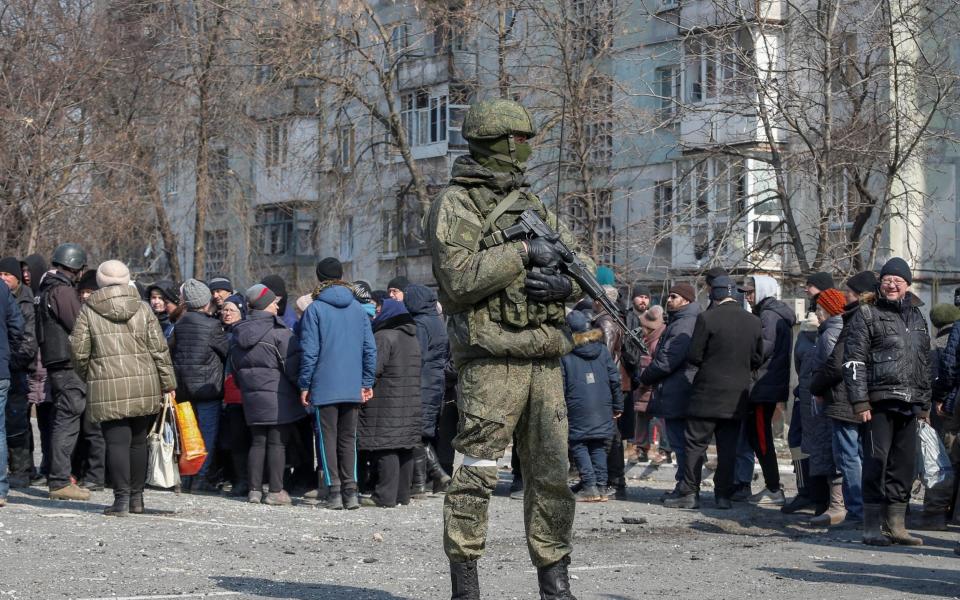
x=662, y=205
x=346, y=143
x=713, y=188
x=215, y=243
x=593, y=28
x=399, y=38
x=668, y=91
x=284, y=230
x=171, y=180
x=220, y=176
x=599, y=132
x=424, y=117
x=276, y=145
x=590, y=219
x=389, y=231
x=845, y=62
x=346, y=239
x=510, y=21
x=460, y=98
x=717, y=65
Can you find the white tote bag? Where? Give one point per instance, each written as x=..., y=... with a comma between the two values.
x=162, y=470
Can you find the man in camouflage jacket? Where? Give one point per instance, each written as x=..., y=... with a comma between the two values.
x=505, y=301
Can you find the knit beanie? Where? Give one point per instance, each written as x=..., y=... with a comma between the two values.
x=862, y=282
x=822, y=281
x=831, y=300
x=578, y=321
x=260, y=297
x=195, y=294
x=942, y=315
x=685, y=291
x=329, y=269
x=9, y=264
x=898, y=267
x=112, y=272
x=398, y=283
x=219, y=282
x=641, y=289
x=361, y=291
x=88, y=281
x=240, y=302
x=652, y=317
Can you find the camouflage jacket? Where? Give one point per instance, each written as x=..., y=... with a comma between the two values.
x=482, y=289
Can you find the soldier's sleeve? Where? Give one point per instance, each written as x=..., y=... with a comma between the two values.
x=466, y=273
x=567, y=237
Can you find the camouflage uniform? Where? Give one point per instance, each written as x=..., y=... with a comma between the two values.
x=507, y=351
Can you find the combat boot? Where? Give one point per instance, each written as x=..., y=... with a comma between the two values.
x=120, y=506
x=872, y=530
x=894, y=522
x=418, y=489
x=464, y=582
x=554, y=581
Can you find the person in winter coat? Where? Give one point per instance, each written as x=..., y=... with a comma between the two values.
x=827, y=383
x=940, y=500
x=887, y=374
x=772, y=384
x=669, y=373
x=591, y=389
x=390, y=422
x=614, y=339
x=805, y=345
x=652, y=325
x=199, y=349
x=727, y=346
x=19, y=431
x=238, y=433
x=337, y=373
x=162, y=297
x=265, y=362
x=11, y=339
x=57, y=311
x=825, y=484
x=288, y=313
x=120, y=352
x=421, y=302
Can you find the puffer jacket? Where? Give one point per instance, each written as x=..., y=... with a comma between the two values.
x=199, y=349
x=265, y=363
x=391, y=419
x=669, y=372
x=421, y=303
x=828, y=377
x=772, y=382
x=591, y=387
x=886, y=356
x=119, y=350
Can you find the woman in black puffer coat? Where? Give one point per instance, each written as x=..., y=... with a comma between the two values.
x=390, y=424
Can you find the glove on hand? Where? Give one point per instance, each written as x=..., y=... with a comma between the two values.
x=541, y=287
x=541, y=253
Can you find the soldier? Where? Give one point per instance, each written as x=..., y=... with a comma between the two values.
x=507, y=334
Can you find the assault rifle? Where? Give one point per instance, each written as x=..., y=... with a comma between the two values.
x=530, y=226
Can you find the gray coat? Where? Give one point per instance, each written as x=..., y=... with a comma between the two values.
x=265, y=362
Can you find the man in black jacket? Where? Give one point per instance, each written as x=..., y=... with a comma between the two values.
x=19, y=431
x=57, y=310
x=727, y=347
x=887, y=375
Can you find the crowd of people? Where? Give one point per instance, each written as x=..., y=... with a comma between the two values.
x=346, y=396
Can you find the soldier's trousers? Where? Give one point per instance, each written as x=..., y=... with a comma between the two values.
x=498, y=396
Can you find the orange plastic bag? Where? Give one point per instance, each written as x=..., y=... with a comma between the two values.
x=192, y=449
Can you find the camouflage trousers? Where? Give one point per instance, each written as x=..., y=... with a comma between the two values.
x=497, y=397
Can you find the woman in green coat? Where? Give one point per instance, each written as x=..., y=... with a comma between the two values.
x=120, y=351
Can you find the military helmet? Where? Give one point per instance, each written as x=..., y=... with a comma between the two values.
x=492, y=119
x=70, y=256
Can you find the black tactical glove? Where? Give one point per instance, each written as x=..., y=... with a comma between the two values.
x=541, y=287
x=541, y=253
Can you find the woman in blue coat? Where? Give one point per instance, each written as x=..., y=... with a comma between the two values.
x=591, y=383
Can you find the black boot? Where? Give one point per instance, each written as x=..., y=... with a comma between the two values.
x=136, y=503
x=120, y=506
x=464, y=583
x=418, y=488
x=434, y=471
x=554, y=581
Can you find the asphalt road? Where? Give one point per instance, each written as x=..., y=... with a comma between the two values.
x=213, y=547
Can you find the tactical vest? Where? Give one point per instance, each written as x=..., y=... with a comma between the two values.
x=53, y=338
x=511, y=306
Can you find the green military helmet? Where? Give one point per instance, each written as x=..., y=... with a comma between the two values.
x=491, y=119
x=70, y=256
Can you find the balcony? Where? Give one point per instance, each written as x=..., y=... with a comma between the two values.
x=713, y=124
x=698, y=14
x=435, y=69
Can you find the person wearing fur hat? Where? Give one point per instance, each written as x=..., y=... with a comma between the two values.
x=337, y=374
x=199, y=350
x=591, y=386
x=121, y=353
x=887, y=375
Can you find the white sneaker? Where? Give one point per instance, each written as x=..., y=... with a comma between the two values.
x=767, y=498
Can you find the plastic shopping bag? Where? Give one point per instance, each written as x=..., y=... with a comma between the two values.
x=162, y=469
x=933, y=463
x=192, y=449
